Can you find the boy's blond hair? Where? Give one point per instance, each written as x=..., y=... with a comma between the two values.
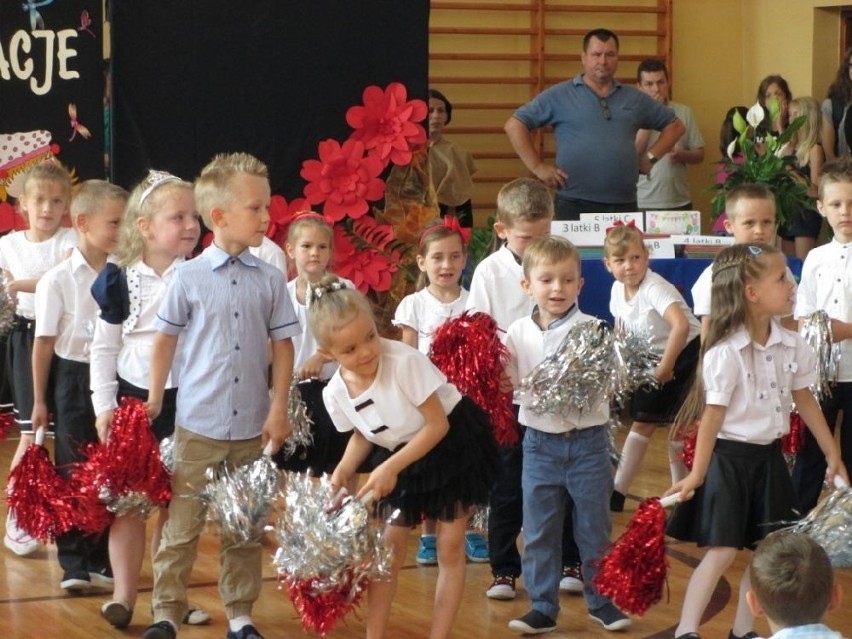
x=49, y=171
x=549, y=249
x=835, y=172
x=212, y=187
x=523, y=200
x=91, y=196
x=746, y=191
x=791, y=576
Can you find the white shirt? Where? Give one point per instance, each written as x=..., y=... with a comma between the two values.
x=755, y=382
x=827, y=285
x=644, y=312
x=425, y=313
x=386, y=413
x=271, y=253
x=27, y=260
x=496, y=289
x=124, y=350
x=65, y=308
x=305, y=344
x=703, y=287
x=528, y=346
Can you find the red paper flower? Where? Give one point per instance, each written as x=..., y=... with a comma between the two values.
x=343, y=178
x=388, y=123
x=368, y=267
x=10, y=220
x=280, y=215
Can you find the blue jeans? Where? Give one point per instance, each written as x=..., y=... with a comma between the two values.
x=556, y=468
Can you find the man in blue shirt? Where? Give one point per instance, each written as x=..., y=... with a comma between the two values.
x=595, y=119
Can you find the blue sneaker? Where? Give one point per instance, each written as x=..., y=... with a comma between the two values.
x=476, y=547
x=427, y=553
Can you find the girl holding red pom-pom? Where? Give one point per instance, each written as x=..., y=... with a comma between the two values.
x=751, y=369
x=439, y=298
x=160, y=228
x=429, y=451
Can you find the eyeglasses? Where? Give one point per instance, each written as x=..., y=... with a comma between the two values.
x=607, y=115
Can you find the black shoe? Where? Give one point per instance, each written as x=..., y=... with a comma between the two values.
x=689, y=635
x=533, y=623
x=616, y=502
x=751, y=634
x=246, y=632
x=160, y=630
x=610, y=617
x=75, y=581
x=102, y=576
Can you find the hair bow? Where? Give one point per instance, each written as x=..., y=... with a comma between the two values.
x=631, y=225
x=451, y=223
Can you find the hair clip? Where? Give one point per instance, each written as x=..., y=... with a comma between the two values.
x=154, y=180
x=451, y=223
x=755, y=250
x=630, y=225
x=312, y=215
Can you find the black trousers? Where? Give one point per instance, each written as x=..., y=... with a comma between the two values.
x=74, y=420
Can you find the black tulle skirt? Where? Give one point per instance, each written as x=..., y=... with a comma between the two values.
x=746, y=495
x=448, y=480
x=328, y=446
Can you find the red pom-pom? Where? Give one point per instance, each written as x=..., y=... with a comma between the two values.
x=469, y=352
x=39, y=496
x=792, y=442
x=7, y=420
x=319, y=610
x=633, y=573
x=689, y=448
x=127, y=467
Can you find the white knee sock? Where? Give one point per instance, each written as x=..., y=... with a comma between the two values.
x=631, y=459
x=676, y=465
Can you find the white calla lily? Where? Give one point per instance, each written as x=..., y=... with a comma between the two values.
x=731, y=148
x=755, y=115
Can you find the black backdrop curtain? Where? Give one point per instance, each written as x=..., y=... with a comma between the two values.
x=271, y=77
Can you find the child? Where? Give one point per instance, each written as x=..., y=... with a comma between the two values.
x=800, y=233
x=564, y=459
x=430, y=450
x=826, y=285
x=229, y=305
x=752, y=369
x=440, y=297
x=24, y=257
x=450, y=166
x=792, y=585
x=524, y=212
x=309, y=249
x=65, y=314
x=645, y=303
x=160, y=228
x=751, y=218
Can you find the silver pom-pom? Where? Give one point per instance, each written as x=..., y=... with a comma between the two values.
x=830, y=525
x=239, y=500
x=134, y=503
x=816, y=329
x=479, y=521
x=300, y=419
x=326, y=543
x=636, y=363
x=7, y=308
x=167, y=453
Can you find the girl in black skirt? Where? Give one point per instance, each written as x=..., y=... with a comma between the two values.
x=430, y=452
x=751, y=371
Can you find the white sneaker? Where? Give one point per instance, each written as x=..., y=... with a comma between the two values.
x=17, y=540
x=503, y=588
x=572, y=580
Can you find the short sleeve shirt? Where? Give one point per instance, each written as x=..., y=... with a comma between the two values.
x=424, y=313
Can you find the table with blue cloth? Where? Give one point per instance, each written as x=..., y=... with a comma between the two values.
x=680, y=271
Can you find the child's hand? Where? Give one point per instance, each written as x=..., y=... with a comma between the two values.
x=153, y=408
x=663, y=375
x=102, y=424
x=276, y=429
x=506, y=384
x=686, y=487
x=312, y=367
x=834, y=466
x=381, y=481
x=40, y=416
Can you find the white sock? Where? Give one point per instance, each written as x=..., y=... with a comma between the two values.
x=631, y=459
x=676, y=465
x=238, y=623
